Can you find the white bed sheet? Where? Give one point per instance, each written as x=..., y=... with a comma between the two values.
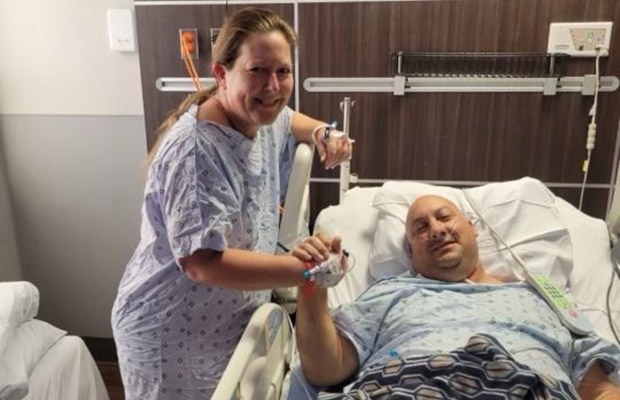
x=355, y=220
x=67, y=371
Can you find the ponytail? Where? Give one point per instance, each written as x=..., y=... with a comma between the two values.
x=194, y=98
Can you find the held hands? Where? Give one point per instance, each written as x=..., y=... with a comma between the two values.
x=333, y=149
x=328, y=266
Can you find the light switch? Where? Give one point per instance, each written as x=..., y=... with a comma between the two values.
x=121, y=32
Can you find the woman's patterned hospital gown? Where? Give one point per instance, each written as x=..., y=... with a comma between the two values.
x=209, y=187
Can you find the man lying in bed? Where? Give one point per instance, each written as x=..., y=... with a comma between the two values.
x=458, y=333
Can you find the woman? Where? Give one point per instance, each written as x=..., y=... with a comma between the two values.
x=210, y=216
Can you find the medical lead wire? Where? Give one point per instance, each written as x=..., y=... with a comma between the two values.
x=592, y=127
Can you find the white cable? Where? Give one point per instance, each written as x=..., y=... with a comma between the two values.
x=497, y=235
x=586, y=168
x=591, y=137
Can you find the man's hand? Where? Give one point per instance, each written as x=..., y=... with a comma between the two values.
x=596, y=385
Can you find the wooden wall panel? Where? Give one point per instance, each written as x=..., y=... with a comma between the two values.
x=158, y=37
x=468, y=136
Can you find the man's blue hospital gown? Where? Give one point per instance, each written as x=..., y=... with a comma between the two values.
x=405, y=316
x=209, y=187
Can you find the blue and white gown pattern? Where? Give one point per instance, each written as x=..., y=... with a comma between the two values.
x=209, y=187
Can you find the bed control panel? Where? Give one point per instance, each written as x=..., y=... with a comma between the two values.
x=564, y=307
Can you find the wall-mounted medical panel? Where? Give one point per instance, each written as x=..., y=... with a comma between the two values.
x=158, y=33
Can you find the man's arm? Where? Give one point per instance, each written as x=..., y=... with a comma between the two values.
x=596, y=385
x=327, y=358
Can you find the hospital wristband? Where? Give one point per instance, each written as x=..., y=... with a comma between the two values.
x=317, y=129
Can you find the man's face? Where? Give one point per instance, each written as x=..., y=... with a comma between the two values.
x=443, y=241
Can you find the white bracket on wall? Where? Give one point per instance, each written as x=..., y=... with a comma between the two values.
x=400, y=85
x=181, y=84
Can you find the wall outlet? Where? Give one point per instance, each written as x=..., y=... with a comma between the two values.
x=579, y=39
x=189, y=38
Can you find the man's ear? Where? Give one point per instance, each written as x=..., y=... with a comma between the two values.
x=219, y=73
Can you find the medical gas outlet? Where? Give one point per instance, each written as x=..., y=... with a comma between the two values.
x=579, y=39
x=188, y=42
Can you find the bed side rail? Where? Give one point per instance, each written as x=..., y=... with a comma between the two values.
x=259, y=363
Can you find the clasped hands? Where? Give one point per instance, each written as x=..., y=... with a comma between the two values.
x=316, y=250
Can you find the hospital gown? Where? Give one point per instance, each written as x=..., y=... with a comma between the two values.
x=209, y=187
x=405, y=316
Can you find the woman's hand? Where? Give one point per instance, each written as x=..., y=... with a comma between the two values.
x=333, y=151
x=317, y=249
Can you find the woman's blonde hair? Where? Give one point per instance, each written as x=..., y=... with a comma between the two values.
x=232, y=35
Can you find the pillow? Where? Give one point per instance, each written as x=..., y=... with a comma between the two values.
x=19, y=302
x=25, y=347
x=521, y=211
x=354, y=220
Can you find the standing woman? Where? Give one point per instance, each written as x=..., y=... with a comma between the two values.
x=209, y=230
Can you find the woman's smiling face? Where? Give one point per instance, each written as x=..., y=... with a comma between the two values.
x=260, y=82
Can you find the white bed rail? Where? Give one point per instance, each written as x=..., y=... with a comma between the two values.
x=296, y=205
x=259, y=363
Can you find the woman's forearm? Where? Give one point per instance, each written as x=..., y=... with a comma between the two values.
x=302, y=127
x=244, y=270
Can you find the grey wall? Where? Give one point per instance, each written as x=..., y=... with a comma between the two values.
x=72, y=140
x=76, y=188
x=9, y=260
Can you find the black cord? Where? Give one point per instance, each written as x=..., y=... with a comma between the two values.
x=283, y=247
x=611, y=322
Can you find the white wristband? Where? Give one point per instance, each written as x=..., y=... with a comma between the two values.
x=330, y=132
x=315, y=130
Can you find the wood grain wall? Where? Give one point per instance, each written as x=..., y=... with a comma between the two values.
x=158, y=37
x=432, y=136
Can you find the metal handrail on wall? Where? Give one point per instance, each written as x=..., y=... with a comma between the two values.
x=452, y=72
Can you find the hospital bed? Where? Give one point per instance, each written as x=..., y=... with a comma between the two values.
x=37, y=360
x=550, y=234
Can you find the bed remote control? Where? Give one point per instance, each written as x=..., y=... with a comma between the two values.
x=563, y=306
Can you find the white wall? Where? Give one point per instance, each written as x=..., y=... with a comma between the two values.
x=72, y=139
x=55, y=59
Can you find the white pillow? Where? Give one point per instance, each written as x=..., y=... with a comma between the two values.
x=521, y=211
x=25, y=347
x=19, y=302
x=354, y=221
